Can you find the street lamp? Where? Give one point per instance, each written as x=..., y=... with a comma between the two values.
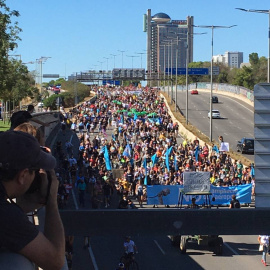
x=40, y=61
x=100, y=64
x=141, y=57
x=132, y=56
x=170, y=44
x=164, y=68
x=122, y=56
x=265, y=11
x=107, y=58
x=17, y=55
x=212, y=27
x=113, y=59
x=176, y=67
x=186, y=64
x=31, y=62
x=166, y=45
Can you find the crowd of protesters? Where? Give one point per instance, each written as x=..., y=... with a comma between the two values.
x=144, y=144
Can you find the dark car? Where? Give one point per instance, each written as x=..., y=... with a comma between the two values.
x=214, y=99
x=246, y=145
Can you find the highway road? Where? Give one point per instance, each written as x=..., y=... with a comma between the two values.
x=237, y=117
x=158, y=253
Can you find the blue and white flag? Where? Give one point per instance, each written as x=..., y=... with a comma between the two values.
x=154, y=159
x=252, y=171
x=127, y=152
x=175, y=164
x=107, y=158
x=145, y=167
x=122, y=119
x=215, y=148
x=167, y=156
x=197, y=151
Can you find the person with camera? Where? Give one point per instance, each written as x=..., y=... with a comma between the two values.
x=27, y=175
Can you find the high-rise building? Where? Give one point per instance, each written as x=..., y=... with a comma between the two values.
x=234, y=59
x=167, y=42
x=231, y=59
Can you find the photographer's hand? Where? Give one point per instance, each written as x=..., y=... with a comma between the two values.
x=53, y=189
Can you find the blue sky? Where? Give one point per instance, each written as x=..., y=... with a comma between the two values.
x=79, y=34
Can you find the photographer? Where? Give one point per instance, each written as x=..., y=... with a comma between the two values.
x=21, y=161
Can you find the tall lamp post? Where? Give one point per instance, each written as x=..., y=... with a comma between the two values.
x=132, y=56
x=113, y=59
x=187, y=61
x=17, y=55
x=265, y=11
x=107, y=58
x=101, y=70
x=122, y=57
x=100, y=64
x=40, y=61
x=141, y=57
x=168, y=65
x=164, y=68
x=176, y=68
x=212, y=27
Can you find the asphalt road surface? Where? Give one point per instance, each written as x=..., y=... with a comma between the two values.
x=158, y=253
x=237, y=117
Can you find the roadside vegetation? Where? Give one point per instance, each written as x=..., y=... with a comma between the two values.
x=71, y=91
x=4, y=125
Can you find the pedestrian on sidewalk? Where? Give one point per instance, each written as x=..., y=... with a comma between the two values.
x=264, y=246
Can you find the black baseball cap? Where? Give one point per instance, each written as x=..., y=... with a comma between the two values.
x=20, y=150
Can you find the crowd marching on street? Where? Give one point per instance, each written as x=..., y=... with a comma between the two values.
x=132, y=131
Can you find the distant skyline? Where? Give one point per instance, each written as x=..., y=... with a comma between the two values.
x=87, y=35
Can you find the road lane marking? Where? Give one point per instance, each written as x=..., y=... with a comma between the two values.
x=231, y=249
x=240, y=104
x=92, y=257
x=160, y=248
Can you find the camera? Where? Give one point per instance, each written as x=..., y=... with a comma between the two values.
x=36, y=184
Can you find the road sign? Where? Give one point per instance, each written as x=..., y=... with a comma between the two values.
x=113, y=82
x=191, y=71
x=128, y=73
x=215, y=70
x=50, y=76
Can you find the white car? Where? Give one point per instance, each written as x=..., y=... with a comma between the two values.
x=215, y=114
x=40, y=105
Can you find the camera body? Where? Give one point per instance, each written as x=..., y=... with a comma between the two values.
x=37, y=182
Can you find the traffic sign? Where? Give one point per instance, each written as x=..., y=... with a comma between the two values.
x=50, y=76
x=215, y=70
x=113, y=82
x=128, y=73
x=191, y=71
